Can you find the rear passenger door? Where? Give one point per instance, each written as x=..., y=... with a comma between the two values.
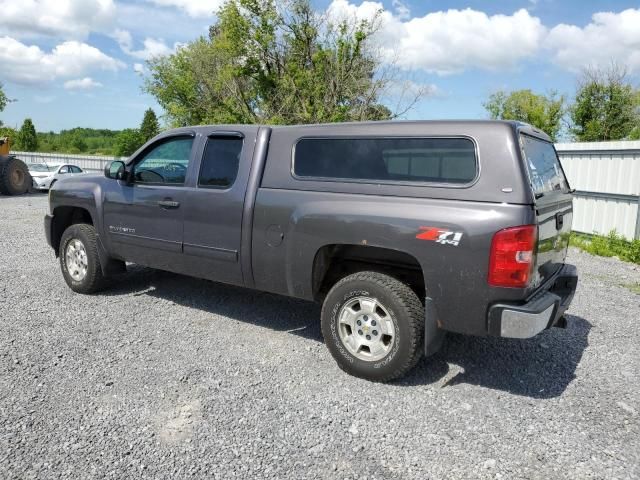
x=214, y=208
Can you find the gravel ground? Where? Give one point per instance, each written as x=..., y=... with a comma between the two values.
x=164, y=376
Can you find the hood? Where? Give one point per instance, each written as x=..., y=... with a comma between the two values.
x=41, y=174
x=84, y=180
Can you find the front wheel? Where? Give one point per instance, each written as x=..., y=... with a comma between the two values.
x=373, y=326
x=79, y=259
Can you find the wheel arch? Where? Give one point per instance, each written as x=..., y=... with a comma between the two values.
x=335, y=261
x=63, y=218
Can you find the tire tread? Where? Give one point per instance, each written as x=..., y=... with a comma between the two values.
x=414, y=307
x=95, y=280
x=6, y=165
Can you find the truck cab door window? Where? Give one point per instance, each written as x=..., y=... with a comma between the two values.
x=214, y=210
x=220, y=162
x=165, y=163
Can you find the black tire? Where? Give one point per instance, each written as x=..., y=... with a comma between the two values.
x=14, y=177
x=93, y=281
x=403, y=306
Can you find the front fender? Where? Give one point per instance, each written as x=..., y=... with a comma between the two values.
x=79, y=192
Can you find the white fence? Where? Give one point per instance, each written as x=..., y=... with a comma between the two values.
x=606, y=176
x=86, y=162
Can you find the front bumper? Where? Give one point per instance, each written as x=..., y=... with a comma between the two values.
x=40, y=184
x=543, y=311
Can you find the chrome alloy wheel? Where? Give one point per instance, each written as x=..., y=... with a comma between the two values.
x=75, y=259
x=366, y=328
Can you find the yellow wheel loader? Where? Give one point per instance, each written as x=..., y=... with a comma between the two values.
x=14, y=174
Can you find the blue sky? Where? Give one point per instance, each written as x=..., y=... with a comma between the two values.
x=78, y=62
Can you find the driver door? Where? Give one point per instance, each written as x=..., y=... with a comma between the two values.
x=143, y=219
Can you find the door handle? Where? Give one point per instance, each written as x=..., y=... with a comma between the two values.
x=168, y=204
x=559, y=221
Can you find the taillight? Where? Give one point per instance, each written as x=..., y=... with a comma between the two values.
x=512, y=256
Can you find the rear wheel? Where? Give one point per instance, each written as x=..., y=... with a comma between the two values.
x=373, y=326
x=14, y=177
x=79, y=259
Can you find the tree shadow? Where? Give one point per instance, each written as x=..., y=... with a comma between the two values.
x=539, y=367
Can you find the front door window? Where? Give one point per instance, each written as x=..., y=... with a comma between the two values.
x=166, y=163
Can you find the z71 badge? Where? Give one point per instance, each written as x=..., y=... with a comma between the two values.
x=440, y=235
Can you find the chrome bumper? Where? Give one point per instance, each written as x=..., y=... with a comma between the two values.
x=544, y=310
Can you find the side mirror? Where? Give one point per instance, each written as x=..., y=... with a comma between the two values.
x=115, y=170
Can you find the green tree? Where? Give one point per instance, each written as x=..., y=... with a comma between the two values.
x=8, y=132
x=4, y=101
x=150, y=126
x=542, y=111
x=27, y=139
x=3, y=98
x=128, y=141
x=78, y=143
x=607, y=107
x=274, y=62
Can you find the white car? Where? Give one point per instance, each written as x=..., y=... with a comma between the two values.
x=44, y=175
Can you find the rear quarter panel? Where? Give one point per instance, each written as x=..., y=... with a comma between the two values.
x=455, y=276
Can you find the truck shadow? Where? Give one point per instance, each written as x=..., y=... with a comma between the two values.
x=540, y=367
x=263, y=309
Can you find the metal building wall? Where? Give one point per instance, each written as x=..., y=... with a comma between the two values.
x=606, y=176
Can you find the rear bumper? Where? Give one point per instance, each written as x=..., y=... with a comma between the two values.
x=543, y=311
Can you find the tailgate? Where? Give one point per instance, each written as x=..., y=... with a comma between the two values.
x=553, y=205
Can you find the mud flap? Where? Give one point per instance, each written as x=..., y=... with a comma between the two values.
x=110, y=266
x=433, y=336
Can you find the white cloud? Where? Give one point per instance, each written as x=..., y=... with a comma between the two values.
x=139, y=68
x=194, y=8
x=343, y=9
x=59, y=18
x=610, y=37
x=28, y=64
x=86, y=83
x=403, y=12
x=183, y=27
x=451, y=41
x=152, y=47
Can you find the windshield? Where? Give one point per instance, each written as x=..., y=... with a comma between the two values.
x=545, y=171
x=41, y=167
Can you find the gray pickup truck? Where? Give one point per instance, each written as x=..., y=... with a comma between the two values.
x=403, y=230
